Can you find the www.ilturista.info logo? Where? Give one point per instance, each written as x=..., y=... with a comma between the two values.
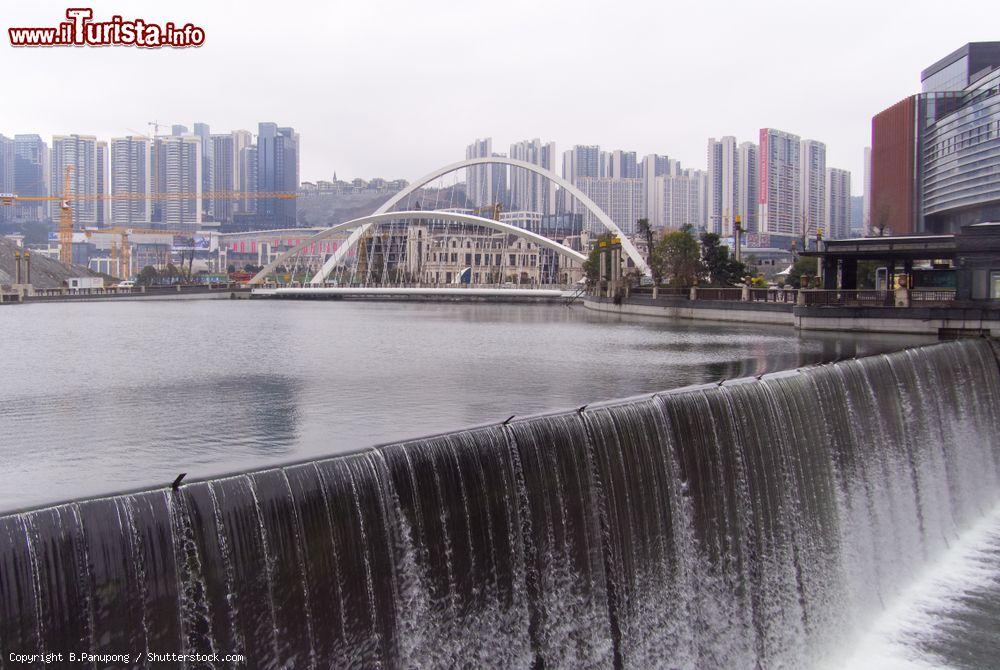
x=81, y=30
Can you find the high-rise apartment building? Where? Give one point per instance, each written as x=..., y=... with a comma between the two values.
x=622, y=165
x=31, y=175
x=277, y=171
x=103, y=207
x=732, y=188
x=624, y=200
x=223, y=165
x=201, y=130
x=530, y=192
x=131, y=172
x=7, y=162
x=812, y=188
x=582, y=161
x=178, y=171
x=680, y=199
x=779, y=198
x=242, y=143
x=866, y=207
x=248, y=176
x=747, y=187
x=838, y=206
x=485, y=184
x=723, y=190
x=78, y=152
x=651, y=167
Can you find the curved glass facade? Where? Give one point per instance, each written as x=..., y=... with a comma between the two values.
x=960, y=166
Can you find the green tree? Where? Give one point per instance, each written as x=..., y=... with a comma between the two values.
x=643, y=228
x=591, y=267
x=677, y=258
x=867, y=271
x=803, y=267
x=721, y=268
x=147, y=275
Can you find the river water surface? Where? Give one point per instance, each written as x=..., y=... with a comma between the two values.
x=112, y=396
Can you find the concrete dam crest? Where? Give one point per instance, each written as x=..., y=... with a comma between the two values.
x=758, y=523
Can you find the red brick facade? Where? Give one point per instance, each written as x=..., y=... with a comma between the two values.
x=893, y=199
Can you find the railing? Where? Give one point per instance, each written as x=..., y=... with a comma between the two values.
x=661, y=291
x=395, y=285
x=848, y=298
x=806, y=297
x=786, y=296
x=927, y=295
x=66, y=292
x=731, y=294
x=673, y=291
x=63, y=291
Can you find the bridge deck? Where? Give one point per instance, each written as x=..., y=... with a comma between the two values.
x=425, y=293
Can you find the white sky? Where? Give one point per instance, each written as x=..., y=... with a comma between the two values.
x=398, y=88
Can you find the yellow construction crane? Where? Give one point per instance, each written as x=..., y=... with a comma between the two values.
x=491, y=211
x=121, y=249
x=66, y=209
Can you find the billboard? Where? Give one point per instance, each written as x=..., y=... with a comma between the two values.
x=192, y=242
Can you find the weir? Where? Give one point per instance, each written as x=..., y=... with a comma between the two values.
x=757, y=523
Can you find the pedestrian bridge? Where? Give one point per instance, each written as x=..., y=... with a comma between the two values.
x=425, y=293
x=379, y=249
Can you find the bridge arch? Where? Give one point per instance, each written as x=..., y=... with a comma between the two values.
x=365, y=222
x=627, y=246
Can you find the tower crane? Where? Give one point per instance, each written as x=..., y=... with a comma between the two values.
x=121, y=248
x=67, y=198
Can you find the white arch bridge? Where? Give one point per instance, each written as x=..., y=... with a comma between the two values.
x=361, y=225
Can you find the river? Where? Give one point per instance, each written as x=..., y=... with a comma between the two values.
x=112, y=396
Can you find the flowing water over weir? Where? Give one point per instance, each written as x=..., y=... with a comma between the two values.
x=759, y=523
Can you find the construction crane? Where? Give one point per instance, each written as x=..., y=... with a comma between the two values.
x=491, y=211
x=121, y=249
x=155, y=125
x=67, y=198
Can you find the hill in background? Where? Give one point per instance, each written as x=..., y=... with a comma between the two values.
x=45, y=272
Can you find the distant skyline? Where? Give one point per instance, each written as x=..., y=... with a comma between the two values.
x=396, y=89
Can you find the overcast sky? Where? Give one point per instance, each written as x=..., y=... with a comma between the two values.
x=398, y=88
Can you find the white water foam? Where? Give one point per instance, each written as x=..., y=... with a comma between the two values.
x=902, y=637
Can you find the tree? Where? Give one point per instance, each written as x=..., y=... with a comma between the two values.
x=803, y=267
x=230, y=268
x=677, y=258
x=880, y=218
x=147, y=275
x=592, y=266
x=868, y=273
x=643, y=228
x=722, y=269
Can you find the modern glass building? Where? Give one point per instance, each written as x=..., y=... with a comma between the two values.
x=936, y=154
x=960, y=166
